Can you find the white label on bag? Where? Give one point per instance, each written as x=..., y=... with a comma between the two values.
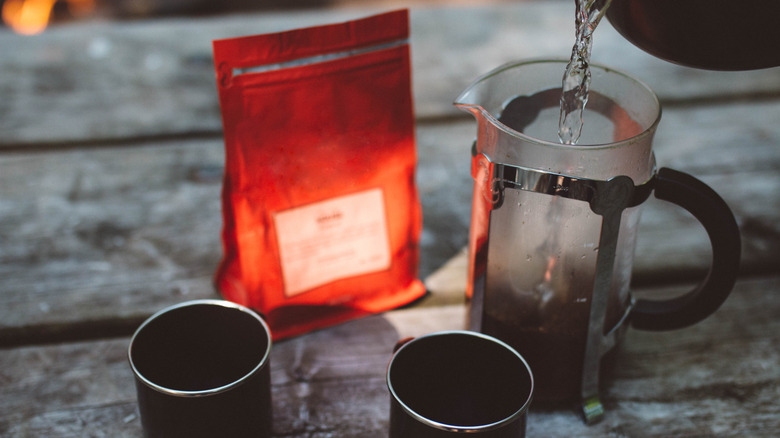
x=333, y=239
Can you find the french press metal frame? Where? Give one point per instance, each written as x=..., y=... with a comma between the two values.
x=609, y=199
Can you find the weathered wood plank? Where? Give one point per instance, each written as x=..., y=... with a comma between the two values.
x=125, y=220
x=93, y=240
x=91, y=235
x=154, y=78
x=720, y=377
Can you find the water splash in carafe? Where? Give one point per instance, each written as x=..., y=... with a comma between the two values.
x=576, y=79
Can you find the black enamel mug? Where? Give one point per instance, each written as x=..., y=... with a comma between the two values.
x=202, y=370
x=458, y=383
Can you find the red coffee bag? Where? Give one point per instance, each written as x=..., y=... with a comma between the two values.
x=321, y=213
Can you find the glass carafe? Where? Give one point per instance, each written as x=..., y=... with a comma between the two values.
x=554, y=226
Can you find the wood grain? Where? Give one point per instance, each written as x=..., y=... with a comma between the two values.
x=717, y=378
x=111, y=160
x=96, y=239
x=102, y=81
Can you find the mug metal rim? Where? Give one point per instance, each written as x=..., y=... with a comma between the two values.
x=460, y=102
x=210, y=391
x=451, y=427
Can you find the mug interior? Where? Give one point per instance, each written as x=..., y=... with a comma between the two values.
x=460, y=379
x=199, y=347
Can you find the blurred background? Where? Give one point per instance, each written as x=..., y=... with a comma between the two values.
x=33, y=16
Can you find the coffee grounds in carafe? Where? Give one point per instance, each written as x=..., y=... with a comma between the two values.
x=556, y=359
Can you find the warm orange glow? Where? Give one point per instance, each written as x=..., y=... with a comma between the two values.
x=27, y=17
x=550, y=267
x=80, y=8
x=30, y=17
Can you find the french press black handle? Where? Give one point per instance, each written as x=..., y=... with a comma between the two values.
x=718, y=220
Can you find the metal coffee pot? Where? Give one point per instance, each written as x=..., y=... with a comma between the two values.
x=707, y=34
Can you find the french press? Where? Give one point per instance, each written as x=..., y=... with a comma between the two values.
x=553, y=226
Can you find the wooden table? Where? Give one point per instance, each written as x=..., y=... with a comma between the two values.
x=110, y=172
